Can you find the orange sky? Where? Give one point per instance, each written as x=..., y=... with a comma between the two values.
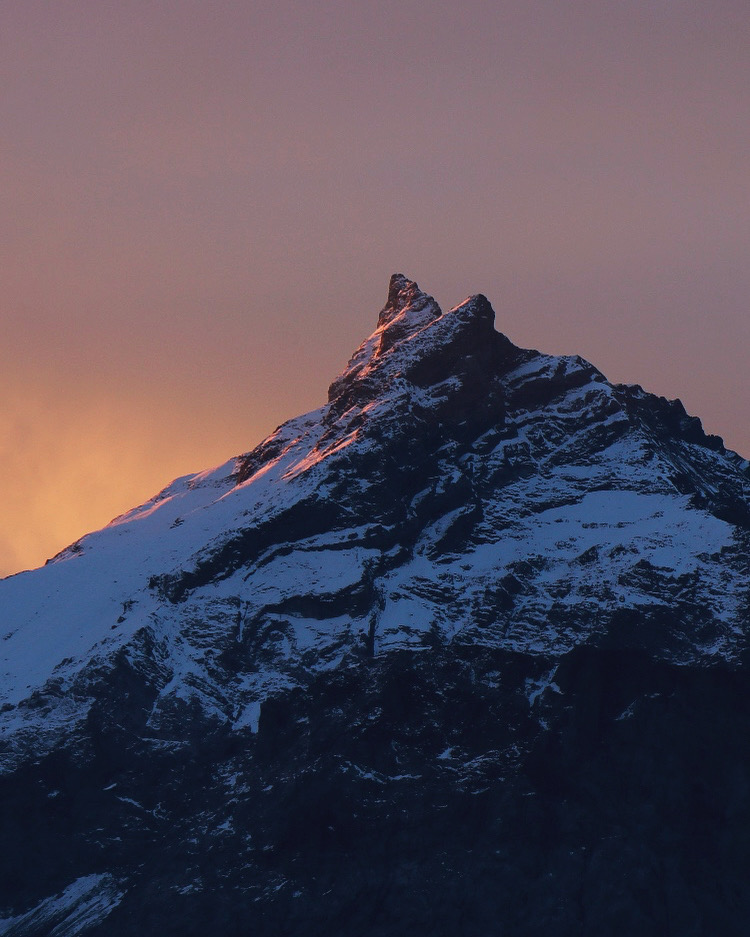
x=202, y=205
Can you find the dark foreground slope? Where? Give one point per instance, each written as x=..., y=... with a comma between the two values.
x=464, y=652
x=414, y=795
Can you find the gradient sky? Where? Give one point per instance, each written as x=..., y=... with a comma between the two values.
x=202, y=204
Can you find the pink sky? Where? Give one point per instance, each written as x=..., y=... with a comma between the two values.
x=202, y=204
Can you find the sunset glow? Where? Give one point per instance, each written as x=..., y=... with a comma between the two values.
x=202, y=205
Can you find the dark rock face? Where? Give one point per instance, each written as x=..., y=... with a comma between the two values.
x=464, y=652
x=420, y=794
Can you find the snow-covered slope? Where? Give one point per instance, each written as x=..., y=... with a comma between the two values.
x=541, y=492
x=455, y=492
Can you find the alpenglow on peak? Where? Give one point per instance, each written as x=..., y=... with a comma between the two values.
x=416, y=342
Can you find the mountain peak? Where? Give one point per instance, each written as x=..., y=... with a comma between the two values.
x=403, y=294
x=417, y=342
x=407, y=311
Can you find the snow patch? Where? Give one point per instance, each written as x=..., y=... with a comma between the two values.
x=83, y=904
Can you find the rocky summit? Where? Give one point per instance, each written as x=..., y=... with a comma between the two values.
x=463, y=652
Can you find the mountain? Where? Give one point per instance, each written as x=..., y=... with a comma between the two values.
x=462, y=652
